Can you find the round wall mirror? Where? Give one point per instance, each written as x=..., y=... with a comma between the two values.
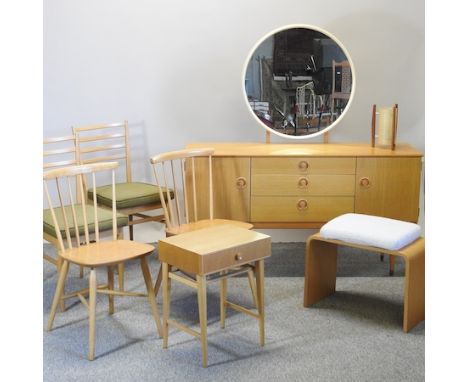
x=299, y=81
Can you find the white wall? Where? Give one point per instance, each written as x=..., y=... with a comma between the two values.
x=173, y=68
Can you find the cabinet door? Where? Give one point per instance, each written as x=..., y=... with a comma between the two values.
x=388, y=187
x=231, y=188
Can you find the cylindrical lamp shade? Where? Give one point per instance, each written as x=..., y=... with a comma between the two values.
x=384, y=129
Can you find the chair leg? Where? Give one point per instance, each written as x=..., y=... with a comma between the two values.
x=92, y=313
x=110, y=285
x=166, y=302
x=250, y=275
x=81, y=272
x=391, y=259
x=58, y=293
x=157, y=284
x=62, y=302
x=222, y=302
x=130, y=226
x=151, y=296
x=259, y=274
x=201, y=294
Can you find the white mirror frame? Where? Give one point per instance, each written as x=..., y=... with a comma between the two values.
x=353, y=87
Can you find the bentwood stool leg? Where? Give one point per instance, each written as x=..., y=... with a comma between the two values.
x=166, y=302
x=259, y=273
x=201, y=293
x=92, y=312
x=58, y=293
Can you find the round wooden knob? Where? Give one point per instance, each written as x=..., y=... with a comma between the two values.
x=238, y=257
x=364, y=182
x=302, y=205
x=303, y=182
x=303, y=165
x=241, y=182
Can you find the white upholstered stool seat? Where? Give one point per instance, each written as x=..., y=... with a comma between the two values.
x=372, y=231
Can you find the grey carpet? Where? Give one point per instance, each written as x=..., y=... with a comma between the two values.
x=355, y=335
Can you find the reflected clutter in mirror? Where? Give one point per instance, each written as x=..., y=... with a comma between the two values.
x=298, y=82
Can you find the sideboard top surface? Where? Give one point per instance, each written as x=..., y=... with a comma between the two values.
x=311, y=149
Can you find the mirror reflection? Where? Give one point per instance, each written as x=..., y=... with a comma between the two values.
x=298, y=82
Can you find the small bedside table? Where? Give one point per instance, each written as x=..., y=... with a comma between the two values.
x=215, y=253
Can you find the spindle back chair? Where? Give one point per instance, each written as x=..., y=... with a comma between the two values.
x=88, y=253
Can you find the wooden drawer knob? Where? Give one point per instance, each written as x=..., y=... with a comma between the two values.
x=241, y=182
x=238, y=257
x=364, y=182
x=303, y=165
x=303, y=182
x=302, y=205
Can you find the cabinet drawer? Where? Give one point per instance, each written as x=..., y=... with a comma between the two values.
x=314, y=185
x=306, y=165
x=299, y=209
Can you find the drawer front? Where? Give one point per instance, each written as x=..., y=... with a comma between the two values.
x=231, y=257
x=299, y=209
x=313, y=185
x=306, y=165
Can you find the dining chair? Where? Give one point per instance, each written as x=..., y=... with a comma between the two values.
x=78, y=248
x=104, y=142
x=185, y=185
x=60, y=152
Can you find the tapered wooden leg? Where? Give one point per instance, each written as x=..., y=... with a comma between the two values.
x=391, y=264
x=130, y=226
x=320, y=270
x=58, y=293
x=259, y=275
x=121, y=268
x=414, y=302
x=92, y=313
x=250, y=275
x=157, y=284
x=81, y=271
x=222, y=301
x=110, y=285
x=166, y=302
x=151, y=296
x=59, y=266
x=201, y=293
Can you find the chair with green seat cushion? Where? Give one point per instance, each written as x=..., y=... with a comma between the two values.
x=104, y=220
x=104, y=142
x=128, y=195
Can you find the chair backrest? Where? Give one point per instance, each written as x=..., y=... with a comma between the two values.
x=59, y=152
x=59, y=181
x=103, y=143
x=190, y=179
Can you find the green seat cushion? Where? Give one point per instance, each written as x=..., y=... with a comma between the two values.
x=104, y=220
x=128, y=195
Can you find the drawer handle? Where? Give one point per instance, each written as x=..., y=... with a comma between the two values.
x=303, y=182
x=364, y=182
x=303, y=165
x=238, y=257
x=241, y=182
x=302, y=205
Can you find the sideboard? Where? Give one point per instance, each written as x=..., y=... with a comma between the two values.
x=306, y=185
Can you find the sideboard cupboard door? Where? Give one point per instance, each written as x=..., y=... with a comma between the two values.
x=388, y=187
x=231, y=188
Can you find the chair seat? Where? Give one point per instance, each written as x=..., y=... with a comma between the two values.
x=373, y=231
x=128, y=195
x=104, y=220
x=106, y=252
x=205, y=224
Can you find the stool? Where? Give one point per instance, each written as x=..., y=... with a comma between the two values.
x=214, y=253
x=371, y=233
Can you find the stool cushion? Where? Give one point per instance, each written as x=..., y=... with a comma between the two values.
x=374, y=231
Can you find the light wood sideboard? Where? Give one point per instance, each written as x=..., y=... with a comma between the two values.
x=306, y=185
